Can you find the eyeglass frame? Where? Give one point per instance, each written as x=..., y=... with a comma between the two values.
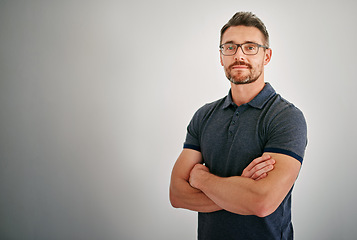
x=240, y=45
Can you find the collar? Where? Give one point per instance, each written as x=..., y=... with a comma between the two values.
x=258, y=102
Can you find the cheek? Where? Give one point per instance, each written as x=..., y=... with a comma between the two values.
x=259, y=63
x=226, y=63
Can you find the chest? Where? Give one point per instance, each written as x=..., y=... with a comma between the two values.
x=231, y=139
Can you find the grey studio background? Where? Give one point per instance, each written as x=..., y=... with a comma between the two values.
x=95, y=97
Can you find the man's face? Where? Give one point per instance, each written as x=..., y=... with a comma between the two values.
x=241, y=68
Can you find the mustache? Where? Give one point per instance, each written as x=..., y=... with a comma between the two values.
x=240, y=63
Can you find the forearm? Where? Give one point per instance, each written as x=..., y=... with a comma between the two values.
x=217, y=194
x=182, y=195
x=246, y=196
x=235, y=194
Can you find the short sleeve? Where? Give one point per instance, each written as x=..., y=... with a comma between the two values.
x=193, y=131
x=288, y=133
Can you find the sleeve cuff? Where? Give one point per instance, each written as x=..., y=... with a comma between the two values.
x=193, y=147
x=286, y=152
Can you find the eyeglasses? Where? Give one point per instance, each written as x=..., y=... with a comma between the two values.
x=229, y=49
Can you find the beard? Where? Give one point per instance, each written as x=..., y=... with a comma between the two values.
x=240, y=78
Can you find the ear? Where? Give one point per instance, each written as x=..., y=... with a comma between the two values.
x=267, y=56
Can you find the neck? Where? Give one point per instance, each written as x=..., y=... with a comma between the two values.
x=244, y=93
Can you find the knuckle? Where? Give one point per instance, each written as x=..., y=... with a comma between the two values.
x=255, y=175
x=256, y=161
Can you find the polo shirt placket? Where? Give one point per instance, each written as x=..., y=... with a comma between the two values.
x=232, y=131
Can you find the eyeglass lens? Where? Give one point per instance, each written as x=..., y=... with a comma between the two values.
x=247, y=48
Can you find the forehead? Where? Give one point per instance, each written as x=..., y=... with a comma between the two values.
x=242, y=34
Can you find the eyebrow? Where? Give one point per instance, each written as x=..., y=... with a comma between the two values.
x=240, y=43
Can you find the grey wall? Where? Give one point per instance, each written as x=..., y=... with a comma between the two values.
x=95, y=97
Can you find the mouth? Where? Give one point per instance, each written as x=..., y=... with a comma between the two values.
x=239, y=67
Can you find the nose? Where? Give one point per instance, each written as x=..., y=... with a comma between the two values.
x=239, y=56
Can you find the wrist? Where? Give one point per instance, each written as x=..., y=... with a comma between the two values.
x=203, y=180
x=198, y=176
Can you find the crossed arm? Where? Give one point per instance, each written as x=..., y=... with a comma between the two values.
x=257, y=193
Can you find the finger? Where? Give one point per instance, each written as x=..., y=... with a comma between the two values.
x=257, y=161
x=200, y=166
x=264, y=175
x=262, y=171
x=261, y=165
x=197, y=166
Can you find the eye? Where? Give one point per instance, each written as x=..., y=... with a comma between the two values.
x=229, y=47
x=250, y=47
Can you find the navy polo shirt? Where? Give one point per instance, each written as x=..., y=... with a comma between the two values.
x=229, y=138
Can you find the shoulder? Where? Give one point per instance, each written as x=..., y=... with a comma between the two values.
x=280, y=109
x=198, y=121
x=286, y=128
x=207, y=109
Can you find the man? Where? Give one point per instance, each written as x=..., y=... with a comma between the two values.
x=242, y=153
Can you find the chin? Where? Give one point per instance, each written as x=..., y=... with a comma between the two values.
x=240, y=82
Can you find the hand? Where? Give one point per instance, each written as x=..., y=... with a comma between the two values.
x=259, y=168
x=196, y=174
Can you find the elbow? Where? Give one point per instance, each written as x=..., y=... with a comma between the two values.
x=263, y=212
x=174, y=203
x=264, y=203
x=174, y=200
x=264, y=208
x=257, y=207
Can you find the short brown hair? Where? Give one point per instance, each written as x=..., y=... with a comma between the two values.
x=247, y=19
